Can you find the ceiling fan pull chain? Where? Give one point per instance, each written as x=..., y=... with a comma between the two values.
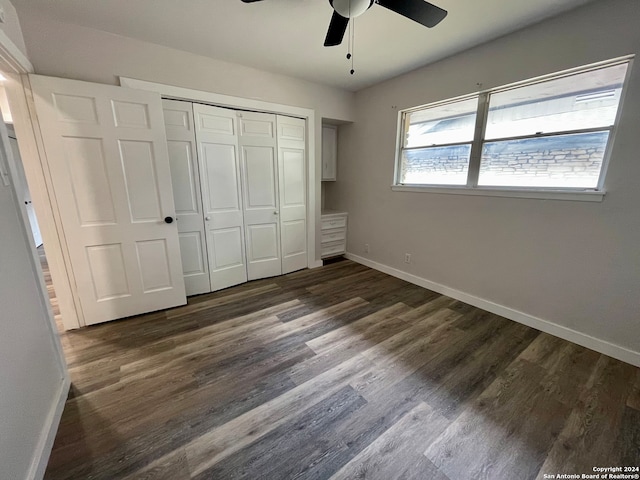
x=349, y=34
x=353, y=44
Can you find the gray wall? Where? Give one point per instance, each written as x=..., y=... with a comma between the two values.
x=32, y=374
x=11, y=25
x=71, y=51
x=32, y=371
x=575, y=264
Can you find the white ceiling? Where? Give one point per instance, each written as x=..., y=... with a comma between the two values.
x=286, y=36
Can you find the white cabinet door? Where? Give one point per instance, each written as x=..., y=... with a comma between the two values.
x=181, y=142
x=257, y=141
x=217, y=140
x=106, y=151
x=329, y=152
x=293, y=192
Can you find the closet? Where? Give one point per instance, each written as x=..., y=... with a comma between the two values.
x=239, y=185
x=145, y=200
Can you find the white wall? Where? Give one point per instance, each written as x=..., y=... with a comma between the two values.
x=574, y=264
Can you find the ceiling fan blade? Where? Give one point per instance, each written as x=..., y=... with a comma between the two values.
x=337, y=27
x=419, y=11
x=250, y=1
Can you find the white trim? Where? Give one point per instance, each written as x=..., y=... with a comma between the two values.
x=563, y=73
x=12, y=58
x=49, y=431
x=314, y=171
x=601, y=346
x=577, y=196
x=221, y=100
x=606, y=158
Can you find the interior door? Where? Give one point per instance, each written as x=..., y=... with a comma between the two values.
x=106, y=151
x=217, y=139
x=257, y=141
x=185, y=178
x=24, y=192
x=292, y=174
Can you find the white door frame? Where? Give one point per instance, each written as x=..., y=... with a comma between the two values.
x=216, y=99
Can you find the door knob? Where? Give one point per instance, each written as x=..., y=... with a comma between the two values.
x=168, y=219
x=207, y=218
x=275, y=213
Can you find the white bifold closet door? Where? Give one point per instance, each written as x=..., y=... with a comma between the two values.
x=106, y=151
x=292, y=175
x=220, y=178
x=252, y=176
x=261, y=202
x=183, y=159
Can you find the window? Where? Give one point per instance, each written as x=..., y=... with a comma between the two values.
x=550, y=133
x=437, y=143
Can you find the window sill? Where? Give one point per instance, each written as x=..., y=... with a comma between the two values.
x=543, y=194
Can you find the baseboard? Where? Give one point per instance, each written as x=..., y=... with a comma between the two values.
x=43, y=449
x=601, y=346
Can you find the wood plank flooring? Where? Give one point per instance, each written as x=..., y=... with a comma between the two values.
x=340, y=372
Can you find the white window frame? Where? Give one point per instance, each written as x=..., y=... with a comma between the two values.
x=471, y=187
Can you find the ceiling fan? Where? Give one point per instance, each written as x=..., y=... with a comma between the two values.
x=419, y=11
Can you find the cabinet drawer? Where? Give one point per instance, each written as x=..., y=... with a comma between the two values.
x=333, y=248
x=334, y=235
x=334, y=222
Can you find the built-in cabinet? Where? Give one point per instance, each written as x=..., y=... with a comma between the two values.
x=333, y=233
x=329, y=152
x=239, y=182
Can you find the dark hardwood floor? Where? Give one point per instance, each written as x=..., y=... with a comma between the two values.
x=344, y=373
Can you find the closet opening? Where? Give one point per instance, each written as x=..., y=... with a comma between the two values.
x=240, y=190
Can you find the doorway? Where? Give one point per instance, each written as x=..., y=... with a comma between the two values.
x=24, y=195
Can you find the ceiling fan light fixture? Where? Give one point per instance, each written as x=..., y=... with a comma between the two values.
x=350, y=8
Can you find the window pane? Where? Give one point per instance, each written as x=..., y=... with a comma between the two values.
x=558, y=161
x=585, y=100
x=450, y=123
x=436, y=165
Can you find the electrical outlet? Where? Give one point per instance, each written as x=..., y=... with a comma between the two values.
x=407, y=258
x=366, y=248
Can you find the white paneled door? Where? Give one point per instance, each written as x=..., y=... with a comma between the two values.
x=293, y=192
x=106, y=151
x=261, y=203
x=217, y=139
x=185, y=178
